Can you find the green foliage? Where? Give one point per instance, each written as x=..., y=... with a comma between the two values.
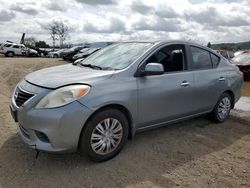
x=41, y=44
x=232, y=46
x=209, y=45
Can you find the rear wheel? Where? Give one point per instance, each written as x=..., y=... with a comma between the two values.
x=55, y=56
x=10, y=54
x=222, y=108
x=104, y=135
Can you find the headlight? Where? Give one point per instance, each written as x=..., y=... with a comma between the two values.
x=63, y=96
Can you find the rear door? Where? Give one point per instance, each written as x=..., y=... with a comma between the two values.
x=208, y=77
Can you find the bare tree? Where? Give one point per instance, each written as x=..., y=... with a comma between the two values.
x=58, y=31
x=62, y=32
x=52, y=28
x=30, y=42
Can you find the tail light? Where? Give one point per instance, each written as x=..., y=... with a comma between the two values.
x=239, y=72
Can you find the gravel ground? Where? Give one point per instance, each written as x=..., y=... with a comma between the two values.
x=194, y=153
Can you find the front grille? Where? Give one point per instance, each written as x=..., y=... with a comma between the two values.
x=21, y=97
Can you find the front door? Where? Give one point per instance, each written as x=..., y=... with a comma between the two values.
x=169, y=96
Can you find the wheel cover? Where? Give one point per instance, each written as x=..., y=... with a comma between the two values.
x=224, y=107
x=106, y=136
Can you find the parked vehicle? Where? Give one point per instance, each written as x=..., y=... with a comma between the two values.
x=240, y=52
x=57, y=54
x=243, y=62
x=31, y=52
x=225, y=53
x=12, y=49
x=69, y=55
x=71, y=52
x=85, y=53
x=98, y=104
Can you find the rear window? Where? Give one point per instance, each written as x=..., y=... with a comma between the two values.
x=200, y=58
x=7, y=45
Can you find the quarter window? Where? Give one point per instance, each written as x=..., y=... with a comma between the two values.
x=200, y=58
x=215, y=60
x=7, y=45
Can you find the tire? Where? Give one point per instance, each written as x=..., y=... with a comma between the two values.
x=10, y=54
x=222, y=108
x=55, y=56
x=247, y=76
x=101, y=147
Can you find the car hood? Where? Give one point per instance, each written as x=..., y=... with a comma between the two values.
x=58, y=76
x=240, y=63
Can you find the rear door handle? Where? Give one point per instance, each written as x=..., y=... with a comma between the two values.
x=222, y=79
x=185, y=84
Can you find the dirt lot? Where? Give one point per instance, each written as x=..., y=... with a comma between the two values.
x=195, y=153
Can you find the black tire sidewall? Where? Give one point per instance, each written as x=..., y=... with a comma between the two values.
x=85, y=144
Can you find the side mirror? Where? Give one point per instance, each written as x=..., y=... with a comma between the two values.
x=153, y=69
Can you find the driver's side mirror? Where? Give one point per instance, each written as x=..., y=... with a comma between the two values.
x=153, y=69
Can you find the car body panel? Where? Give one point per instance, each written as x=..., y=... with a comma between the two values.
x=162, y=98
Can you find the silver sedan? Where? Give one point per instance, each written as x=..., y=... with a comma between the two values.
x=97, y=104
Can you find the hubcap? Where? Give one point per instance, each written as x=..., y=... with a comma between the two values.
x=224, y=108
x=106, y=136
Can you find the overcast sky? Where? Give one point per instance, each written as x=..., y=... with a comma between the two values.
x=110, y=20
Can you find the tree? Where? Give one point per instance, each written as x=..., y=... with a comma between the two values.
x=30, y=42
x=41, y=44
x=52, y=28
x=58, y=31
x=62, y=32
x=209, y=45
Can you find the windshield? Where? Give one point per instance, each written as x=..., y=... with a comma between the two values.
x=117, y=56
x=243, y=58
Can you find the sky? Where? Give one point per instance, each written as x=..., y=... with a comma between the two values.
x=118, y=20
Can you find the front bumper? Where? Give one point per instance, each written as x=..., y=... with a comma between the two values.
x=54, y=130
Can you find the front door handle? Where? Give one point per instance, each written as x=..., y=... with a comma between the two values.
x=185, y=84
x=222, y=79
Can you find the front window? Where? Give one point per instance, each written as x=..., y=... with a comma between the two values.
x=117, y=56
x=171, y=57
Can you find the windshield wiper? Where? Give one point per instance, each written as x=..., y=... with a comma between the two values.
x=91, y=66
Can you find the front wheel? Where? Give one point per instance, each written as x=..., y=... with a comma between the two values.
x=104, y=135
x=222, y=108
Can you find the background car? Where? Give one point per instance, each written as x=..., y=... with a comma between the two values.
x=12, y=49
x=84, y=53
x=57, y=53
x=243, y=62
x=240, y=52
x=225, y=53
x=68, y=54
